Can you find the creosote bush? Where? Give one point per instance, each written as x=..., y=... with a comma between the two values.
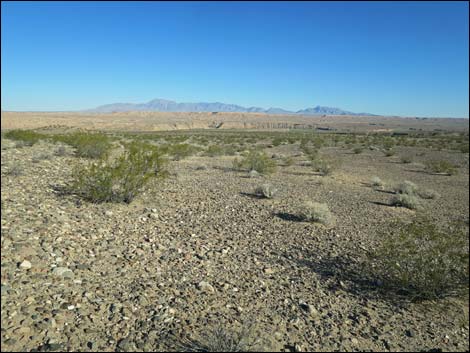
x=257, y=161
x=87, y=145
x=119, y=180
x=422, y=261
x=24, y=137
x=440, y=167
x=267, y=191
x=317, y=212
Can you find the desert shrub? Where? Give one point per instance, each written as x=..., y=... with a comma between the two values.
x=253, y=174
x=277, y=141
x=358, y=150
x=87, y=145
x=389, y=152
x=119, y=180
x=324, y=166
x=407, y=187
x=267, y=191
x=310, y=152
x=428, y=194
x=440, y=167
x=287, y=161
x=256, y=160
x=15, y=170
x=60, y=151
x=464, y=148
x=214, y=150
x=201, y=167
x=180, y=150
x=376, y=182
x=407, y=201
x=406, y=159
x=222, y=340
x=317, y=212
x=41, y=156
x=422, y=261
x=24, y=137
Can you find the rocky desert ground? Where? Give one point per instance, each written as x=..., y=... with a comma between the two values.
x=199, y=256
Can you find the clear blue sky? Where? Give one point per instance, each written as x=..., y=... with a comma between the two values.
x=400, y=58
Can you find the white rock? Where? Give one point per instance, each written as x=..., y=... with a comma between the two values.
x=25, y=265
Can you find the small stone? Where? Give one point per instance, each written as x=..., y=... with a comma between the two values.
x=268, y=271
x=63, y=272
x=205, y=287
x=108, y=213
x=25, y=265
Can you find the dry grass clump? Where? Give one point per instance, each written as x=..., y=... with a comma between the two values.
x=267, y=191
x=317, y=212
x=377, y=182
x=220, y=339
x=422, y=261
x=324, y=166
x=119, y=180
x=407, y=187
x=406, y=200
x=428, y=194
x=406, y=159
x=440, y=167
x=15, y=170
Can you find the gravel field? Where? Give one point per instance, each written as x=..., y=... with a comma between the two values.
x=199, y=249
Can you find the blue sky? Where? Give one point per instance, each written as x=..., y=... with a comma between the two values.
x=400, y=58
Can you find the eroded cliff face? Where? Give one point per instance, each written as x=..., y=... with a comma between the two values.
x=158, y=121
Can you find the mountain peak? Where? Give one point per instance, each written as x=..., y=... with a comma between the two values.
x=165, y=105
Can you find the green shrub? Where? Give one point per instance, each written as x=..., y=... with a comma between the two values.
x=256, y=160
x=119, y=180
x=422, y=261
x=87, y=145
x=267, y=191
x=317, y=212
x=180, y=150
x=25, y=137
x=440, y=167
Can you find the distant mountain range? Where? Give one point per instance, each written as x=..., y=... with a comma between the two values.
x=163, y=105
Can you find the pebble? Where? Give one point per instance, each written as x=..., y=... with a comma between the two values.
x=206, y=287
x=63, y=272
x=25, y=265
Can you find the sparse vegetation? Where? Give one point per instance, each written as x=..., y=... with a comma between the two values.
x=267, y=191
x=24, y=137
x=257, y=161
x=440, y=167
x=222, y=340
x=358, y=150
x=119, y=180
x=422, y=261
x=324, y=166
x=376, y=182
x=406, y=200
x=87, y=145
x=407, y=187
x=406, y=159
x=15, y=170
x=317, y=212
